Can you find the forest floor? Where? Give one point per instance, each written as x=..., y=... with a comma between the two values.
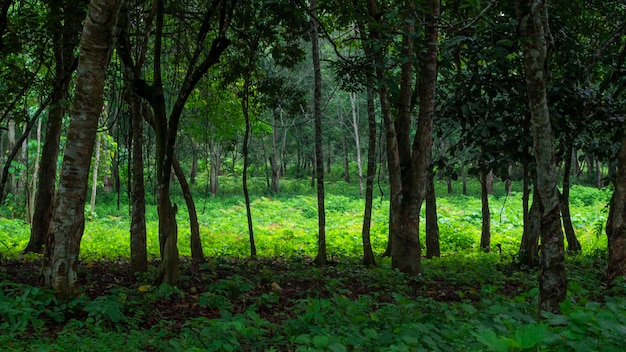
x=282, y=291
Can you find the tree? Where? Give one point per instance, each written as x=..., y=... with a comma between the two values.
x=166, y=125
x=535, y=33
x=321, y=258
x=408, y=162
x=66, y=229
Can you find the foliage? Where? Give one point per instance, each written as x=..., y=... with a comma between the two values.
x=281, y=302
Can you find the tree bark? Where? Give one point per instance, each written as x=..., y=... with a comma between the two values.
x=533, y=20
x=33, y=181
x=485, y=238
x=214, y=169
x=275, y=157
x=599, y=183
x=463, y=178
x=94, y=174
x=193, y=173
x=616, y=222
x=321, y=258
x=346, y=159
x=529, y=248
x=368, y=253
x=66, y=229
x=508, y=183
x=138, y=232
x=357, y=140
x=432, y=225
x=246, y=144
x=573, y=244
x=197, y=254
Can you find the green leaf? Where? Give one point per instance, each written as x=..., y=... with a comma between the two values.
x=337, y=347
x=303, y=339
x=320, y=341
x=530, y=335
x=490, y=339
x=370, y=333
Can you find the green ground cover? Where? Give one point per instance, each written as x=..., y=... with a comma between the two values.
x=464, y=301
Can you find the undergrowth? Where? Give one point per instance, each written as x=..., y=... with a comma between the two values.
x=464, y=301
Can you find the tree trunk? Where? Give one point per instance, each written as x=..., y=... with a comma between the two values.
x=321, y=258
x=33, y=182
x=346, y=159
x=463, y=178
x=94, y=174
x=599, y=184
x=246, y=143
x=432, y=225
x=406, y=249
x=573, y=244
x=12, y=145
x=66, y=229
x=533, y=24
x=529, y=248
x=138, y=238
x=357, y=140
x=485, y=238
x=197, y=255
x=368, y=253
x=65, y=40
x=616, y=222
x=275, y=163
x=23, y=175
x=214, y=170
x=489, y=182
x=193, y=173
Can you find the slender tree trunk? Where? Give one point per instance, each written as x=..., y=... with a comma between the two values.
x=485, y=238
x=463, y=178
x=573, y=244
x=346, y=159
x=214, y=170
x=94, y=174
x=193, y=173
x=432, y=225
x=507, y=183
x=65, y=41
x=66, y=229
x=357, y=140
x=23, y=176
x=275, y=163
x=197, y=255
x=529, y=248
x=599, y=184
x=246, y=144
x=329, y=153
x=12, y=143
x=533, y=20
x=368, y=254
x=33, y=181
x=138, y=232
x=321, y=258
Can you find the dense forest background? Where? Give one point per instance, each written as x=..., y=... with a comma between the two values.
x=147, y=111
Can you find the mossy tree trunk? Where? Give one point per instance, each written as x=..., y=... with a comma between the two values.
x=534, y=29
x=66, y=229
